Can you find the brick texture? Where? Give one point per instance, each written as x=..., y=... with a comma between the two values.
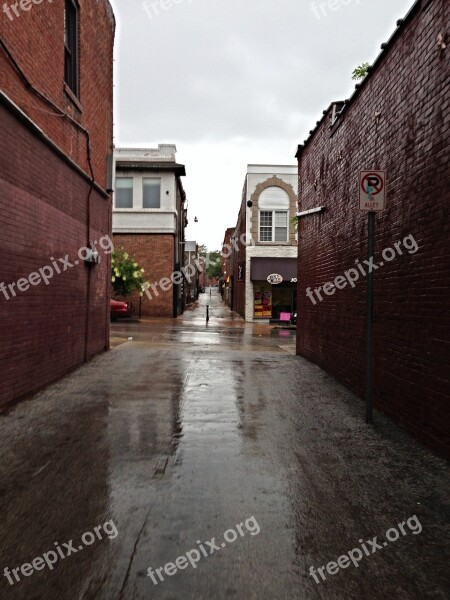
x=155, y=254
x=47, y=206
x=36, y=41
x=226, y=266
x=239, y=258
x=399, y=121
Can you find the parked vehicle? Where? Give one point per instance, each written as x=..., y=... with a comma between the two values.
x=120, y=310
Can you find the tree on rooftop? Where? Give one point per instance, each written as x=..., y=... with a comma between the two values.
x=361, y=71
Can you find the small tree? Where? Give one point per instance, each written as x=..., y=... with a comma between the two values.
x=213, y=261
x=127, y=276
x=361, y=71
x=214, y=268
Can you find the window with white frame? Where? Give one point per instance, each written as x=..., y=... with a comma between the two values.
x=124, y=192
x=274, y=215
x=151, y=192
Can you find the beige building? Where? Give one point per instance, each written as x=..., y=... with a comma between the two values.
x=265, y=266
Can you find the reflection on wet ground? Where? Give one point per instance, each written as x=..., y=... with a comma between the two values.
x=189, y=430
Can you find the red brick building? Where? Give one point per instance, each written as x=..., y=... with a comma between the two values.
x=56, y=71
x=239, y=257
x=227, y=250
x=398, y=120
x=149, y=221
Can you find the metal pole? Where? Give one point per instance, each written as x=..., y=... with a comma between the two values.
x=207, y=314
x=369, y=341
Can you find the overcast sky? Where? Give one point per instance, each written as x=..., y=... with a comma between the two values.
x=236, y=82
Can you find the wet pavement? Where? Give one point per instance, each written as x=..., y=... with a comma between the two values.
x=193, y=431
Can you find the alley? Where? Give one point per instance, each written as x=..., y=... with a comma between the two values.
x=186, y=430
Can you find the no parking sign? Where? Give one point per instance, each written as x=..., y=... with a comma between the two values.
x=372, y=191
x=372, y=199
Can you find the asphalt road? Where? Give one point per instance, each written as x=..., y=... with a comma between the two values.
x=228, y=466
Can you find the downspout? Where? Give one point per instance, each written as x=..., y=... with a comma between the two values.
x=63, y=114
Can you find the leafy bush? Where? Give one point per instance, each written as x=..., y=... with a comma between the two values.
x=126, y=276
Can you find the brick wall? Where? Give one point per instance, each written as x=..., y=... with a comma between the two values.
x=226, y=265
x=42, y=215
x=36, y=41
x=226, y=252
x=239, y=258
x=399, y=121
x=155, y=254
x=48, y=207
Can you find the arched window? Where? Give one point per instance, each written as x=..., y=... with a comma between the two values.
x=273, y=205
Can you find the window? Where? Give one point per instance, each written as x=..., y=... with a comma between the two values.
x=71, y=45
x=265, y=226
x=124, y=192
x=151, y=196
x=274, y=215
x=273, y=226
x=281, y=226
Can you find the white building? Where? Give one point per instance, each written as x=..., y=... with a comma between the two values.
x=270, y=203
x=147, y=190
x=149, y=219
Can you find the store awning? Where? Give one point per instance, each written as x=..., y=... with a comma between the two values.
x=261, y=268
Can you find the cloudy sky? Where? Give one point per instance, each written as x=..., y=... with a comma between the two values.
x=234, y=82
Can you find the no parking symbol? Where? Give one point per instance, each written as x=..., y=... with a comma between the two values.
x=372, y=191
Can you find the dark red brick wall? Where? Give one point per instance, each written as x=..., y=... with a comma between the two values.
x=43, y=215
x=155, y=254
x=46, y=208
x=410, y=140
x=226, y=265
x=36, y=40
x=239, y=258
x=226, y=251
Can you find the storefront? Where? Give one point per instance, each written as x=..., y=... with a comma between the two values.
x=274, y=287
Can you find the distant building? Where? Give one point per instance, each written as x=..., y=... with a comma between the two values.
x=203, y=280
x=227, y=274
x=149, y=220
x=264, y=258
x=56, y=124
x=192, y=272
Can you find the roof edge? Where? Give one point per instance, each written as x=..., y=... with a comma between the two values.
x=385, y=47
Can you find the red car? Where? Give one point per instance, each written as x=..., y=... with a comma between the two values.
x=120, y=309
